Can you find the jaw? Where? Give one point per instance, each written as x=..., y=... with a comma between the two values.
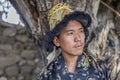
x=73, y=52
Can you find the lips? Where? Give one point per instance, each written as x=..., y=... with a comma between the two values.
x=78, y=46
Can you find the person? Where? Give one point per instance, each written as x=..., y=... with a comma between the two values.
x=68, y=32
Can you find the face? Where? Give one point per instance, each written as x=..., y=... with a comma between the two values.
x=71, y=39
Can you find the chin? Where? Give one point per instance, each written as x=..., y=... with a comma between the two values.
x=78, y=53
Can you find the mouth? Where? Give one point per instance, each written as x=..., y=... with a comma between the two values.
x=78, y=46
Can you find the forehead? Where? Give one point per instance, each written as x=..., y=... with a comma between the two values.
x=73, y=24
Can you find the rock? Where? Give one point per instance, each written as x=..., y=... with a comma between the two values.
x=3, y=39
x=29, y=45
x=19, y=27
x=34, y=77
x=2, y=53
x=11, y=52
x=9, y=32
x=7, y=40
x=9, y=60
x=17, y=54
x=22, y=31
x=28, y=54
x=22, y=38
x=12, y=71
x=14, y=52
x=3, y=78
x=31, y=62
x=18, y=46
x=36, y=60
x=1, y=72
x=20, y=77
x=22, y=62
x=5, y=47
x=28, y=77
x=26, y=69
x=12, y=78
x=1, y=31
x=37, y=70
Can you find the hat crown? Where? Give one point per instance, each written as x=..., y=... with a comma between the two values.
x=56, y=13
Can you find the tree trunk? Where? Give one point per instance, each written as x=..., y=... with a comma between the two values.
x=104, y=40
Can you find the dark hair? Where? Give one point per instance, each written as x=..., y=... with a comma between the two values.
x=79, y=16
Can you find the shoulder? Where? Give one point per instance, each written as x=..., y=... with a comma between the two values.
x=97, y=63
x=103, y=66
x=46, y=72
x=100, y=65
x=43, y=74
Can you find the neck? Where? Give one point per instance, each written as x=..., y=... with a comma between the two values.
x=70, y=62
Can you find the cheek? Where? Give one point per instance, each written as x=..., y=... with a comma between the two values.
x=83, y=37
x=67, y=41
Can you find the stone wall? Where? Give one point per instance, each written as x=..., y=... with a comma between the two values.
x=18, y=57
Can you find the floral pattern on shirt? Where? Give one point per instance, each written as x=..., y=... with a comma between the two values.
x=86, y=69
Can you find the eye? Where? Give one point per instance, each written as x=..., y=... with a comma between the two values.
x=70, y=33
x=81, y=30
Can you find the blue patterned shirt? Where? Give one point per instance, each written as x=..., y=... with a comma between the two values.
x=86, y=69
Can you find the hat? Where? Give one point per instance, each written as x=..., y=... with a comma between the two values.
x=56, y=13
x=58, y=18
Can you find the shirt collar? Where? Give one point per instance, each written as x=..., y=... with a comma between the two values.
x=82, y=61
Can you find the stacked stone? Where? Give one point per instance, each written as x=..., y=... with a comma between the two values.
x=18, y=56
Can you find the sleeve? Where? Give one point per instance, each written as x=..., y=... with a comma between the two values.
x=46, y=73
x=43, y=75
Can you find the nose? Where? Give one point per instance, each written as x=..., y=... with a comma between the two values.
x=77, y=37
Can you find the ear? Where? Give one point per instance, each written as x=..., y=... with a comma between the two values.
x=56, y=41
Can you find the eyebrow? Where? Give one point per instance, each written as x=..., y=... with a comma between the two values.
x=67, y=30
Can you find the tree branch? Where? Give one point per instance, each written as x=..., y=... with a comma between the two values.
x=24, y=11
x=115, y=11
